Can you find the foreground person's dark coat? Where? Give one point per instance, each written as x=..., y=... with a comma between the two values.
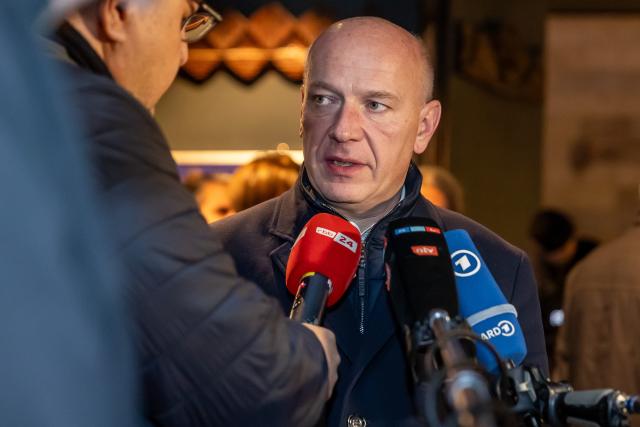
x=372, y=382
x=214, y=350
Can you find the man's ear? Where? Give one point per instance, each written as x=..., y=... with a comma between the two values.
x=113, y=15
x=429, y=119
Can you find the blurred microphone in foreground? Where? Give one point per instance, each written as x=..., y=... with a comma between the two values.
x=451, y=384
x=537, y=401
x=525, y=390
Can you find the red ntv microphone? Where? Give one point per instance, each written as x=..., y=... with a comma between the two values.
x=322, y=263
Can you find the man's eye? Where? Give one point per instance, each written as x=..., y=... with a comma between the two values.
x=376, y=106
x=321, y=100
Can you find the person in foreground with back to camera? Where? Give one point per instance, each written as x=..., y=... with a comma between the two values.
x=367, y=106
x=212, y=348
x=66, y=357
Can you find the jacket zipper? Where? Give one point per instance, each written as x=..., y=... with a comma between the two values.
x=362, y=285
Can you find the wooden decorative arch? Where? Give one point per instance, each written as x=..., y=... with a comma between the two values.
x=246, y=46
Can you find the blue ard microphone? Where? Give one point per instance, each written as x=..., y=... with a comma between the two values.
x=482, y=303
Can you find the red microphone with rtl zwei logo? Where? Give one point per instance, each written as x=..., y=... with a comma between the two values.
x=322, y=263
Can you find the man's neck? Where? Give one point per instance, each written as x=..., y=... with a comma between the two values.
x=367, y=219
x=80, y=25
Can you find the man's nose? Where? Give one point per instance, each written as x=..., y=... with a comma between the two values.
x=348, y=125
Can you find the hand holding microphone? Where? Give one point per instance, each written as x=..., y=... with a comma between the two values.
x=328, y=342
x=323, y=260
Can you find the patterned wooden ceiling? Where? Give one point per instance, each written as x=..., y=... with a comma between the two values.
x=271, y=38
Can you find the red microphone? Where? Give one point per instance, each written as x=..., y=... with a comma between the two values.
x=322, y=263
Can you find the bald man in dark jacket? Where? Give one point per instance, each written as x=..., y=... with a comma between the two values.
x=362, y=120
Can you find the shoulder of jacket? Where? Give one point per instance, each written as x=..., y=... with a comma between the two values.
x=105, y=96
x=249, y=221
x=620, y=254
x=487, y=241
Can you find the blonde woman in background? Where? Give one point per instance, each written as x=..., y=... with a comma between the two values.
x=262, y=179
x=441, y=188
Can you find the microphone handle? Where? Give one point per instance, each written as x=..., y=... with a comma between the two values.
x=604, y=407
x=467, y=391
x=311, y=298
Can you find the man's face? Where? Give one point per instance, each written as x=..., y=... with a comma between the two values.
x=155, y=46
x=363, y=116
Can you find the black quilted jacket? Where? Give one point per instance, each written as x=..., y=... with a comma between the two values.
x=214, y=350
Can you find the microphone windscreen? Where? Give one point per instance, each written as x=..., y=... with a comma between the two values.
x=327, y=245
x=420, y=277
x=482, y=303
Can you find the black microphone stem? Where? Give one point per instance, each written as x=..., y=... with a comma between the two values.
x=309, y=303
x=558, y=405
x=466, y=390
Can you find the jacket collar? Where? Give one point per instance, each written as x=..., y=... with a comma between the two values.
x=79, y=51
x=303, y=202
x=68, y=46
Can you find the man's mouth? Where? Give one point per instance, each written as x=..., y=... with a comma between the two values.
x=342, y=163
x=343, y=166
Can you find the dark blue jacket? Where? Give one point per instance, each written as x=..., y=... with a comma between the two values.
x=373, y=381
x=213, y=349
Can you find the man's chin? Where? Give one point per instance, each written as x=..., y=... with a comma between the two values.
x=342, y=195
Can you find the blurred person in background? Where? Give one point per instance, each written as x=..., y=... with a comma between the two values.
x=212, y=348
x=441, y=188
x=557, y=249
x=599, y=344
x=66, y=356
x=211, y=191
x=262, y=179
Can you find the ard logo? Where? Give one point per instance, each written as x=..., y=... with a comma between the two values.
x=465, y=263
x=504, y=328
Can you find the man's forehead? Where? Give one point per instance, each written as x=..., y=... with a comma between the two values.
x=358, y=51
x=369, y=48
x=362, y=66
x=333, y=72
x=367, y=33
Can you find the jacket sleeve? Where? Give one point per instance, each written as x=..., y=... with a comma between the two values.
x=216, y=350
x=525, y=299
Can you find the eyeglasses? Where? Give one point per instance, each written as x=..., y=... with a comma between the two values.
x=196, y=26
